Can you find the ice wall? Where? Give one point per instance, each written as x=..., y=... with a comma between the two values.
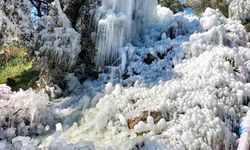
x=119, y=22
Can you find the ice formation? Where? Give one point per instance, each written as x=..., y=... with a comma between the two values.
x=197, y=81
x=118, y=23
x=22, y=113
x=15, y=24
x=61, y=47
x=184, y=86
x=240, y=10
x=58, y=41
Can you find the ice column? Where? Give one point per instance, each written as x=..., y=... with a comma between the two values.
x=119, y=22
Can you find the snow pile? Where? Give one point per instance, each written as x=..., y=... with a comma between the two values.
x=240, y=10
x=212, y=18
x=188, y=92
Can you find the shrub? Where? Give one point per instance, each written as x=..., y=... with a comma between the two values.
x=16, y=67
x=14, y=51
x=247, y=26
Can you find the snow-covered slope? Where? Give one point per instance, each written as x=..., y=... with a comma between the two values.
x=184, y=84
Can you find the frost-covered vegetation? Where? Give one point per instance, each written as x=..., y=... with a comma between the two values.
x=158, y=79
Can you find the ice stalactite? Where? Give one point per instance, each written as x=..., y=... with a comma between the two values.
x=119, y=22
x=58, y=41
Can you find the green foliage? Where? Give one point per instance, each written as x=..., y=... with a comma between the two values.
x=247, y=26
x=203, y=4
x=13, y=68
x=174, y=5
x=16, y=65
x=26, y=80
x=224, y=10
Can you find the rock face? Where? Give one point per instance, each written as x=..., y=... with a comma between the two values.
x=86, y=27
x=59, y=44
x=240, y=10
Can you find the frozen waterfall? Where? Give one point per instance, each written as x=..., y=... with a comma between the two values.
x=118, y=23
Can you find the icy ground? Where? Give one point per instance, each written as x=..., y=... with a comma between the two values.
x=185, y=86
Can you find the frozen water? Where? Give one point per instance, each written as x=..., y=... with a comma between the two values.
x=15, y=21
x=119, y=22
x=190, y=74
x=240, y=10
x=197, y=80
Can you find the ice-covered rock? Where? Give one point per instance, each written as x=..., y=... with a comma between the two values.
x=24, y=143
x=239, y=10
x=193, y=72
x=15, y=22
x=23, y=112
x=58, y=44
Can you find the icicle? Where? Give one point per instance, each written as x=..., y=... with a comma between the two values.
x=119, y=22
x=109, y=39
